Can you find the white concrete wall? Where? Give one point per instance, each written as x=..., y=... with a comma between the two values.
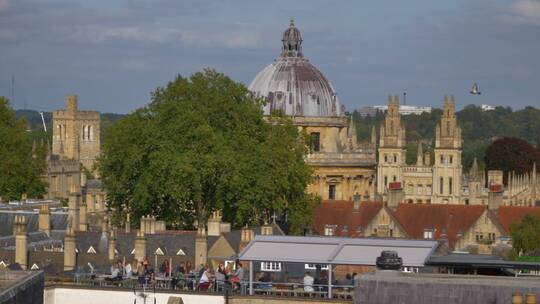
x=99, y=296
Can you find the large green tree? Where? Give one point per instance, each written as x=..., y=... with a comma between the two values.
x=203, y=144
x=20, y=165
x=526, y=235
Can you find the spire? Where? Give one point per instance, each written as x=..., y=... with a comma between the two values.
x=373, y=136
x=474, y=173
x=420, y=155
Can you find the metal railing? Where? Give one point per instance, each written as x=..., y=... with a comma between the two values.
x=191, y=283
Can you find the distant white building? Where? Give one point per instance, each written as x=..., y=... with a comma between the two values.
x=486, y=107
x=403, y=110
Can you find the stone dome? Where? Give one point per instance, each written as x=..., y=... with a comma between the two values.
x=294, y=85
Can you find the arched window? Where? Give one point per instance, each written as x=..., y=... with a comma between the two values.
x=385, y=158
x=395, y=158
x=441, y=185
x=91, y=133
x=450, y=185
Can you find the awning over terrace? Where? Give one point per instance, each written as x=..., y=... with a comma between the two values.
x=335, y=250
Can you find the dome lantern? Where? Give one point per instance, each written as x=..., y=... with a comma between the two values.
x=292, y=42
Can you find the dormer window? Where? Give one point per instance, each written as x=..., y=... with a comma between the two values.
x=91, y=250
x=428, y=234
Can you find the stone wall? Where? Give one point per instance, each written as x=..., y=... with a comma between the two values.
x=386, y=287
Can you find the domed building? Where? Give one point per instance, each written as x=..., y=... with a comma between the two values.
x=293, y=85
x=343, y=168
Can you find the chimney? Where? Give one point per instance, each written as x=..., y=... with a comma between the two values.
x=495, y=177
x=152, y=220
x=44, y=219
x=214, y=224
x=112, y=245
x=495, y=197
x=160, y=226
x=201, y=247
x=246, y=236
x=21, y=251
x=395, y=194
x=225, y=227
x=83, y=220
x=356, y=202
x=267, y=229
x=128, y=223
x=73, y=210
x=70, y=255
x=140, y=246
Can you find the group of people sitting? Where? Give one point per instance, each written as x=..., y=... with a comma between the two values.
x=220, y=276
x=202, y=278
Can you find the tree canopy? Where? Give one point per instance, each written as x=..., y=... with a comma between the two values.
x=526, y=235
x=511, y=155
x=203, y=144
x=21, y=165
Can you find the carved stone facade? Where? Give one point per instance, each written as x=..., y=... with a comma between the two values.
x=343, y=168
x=423, y=182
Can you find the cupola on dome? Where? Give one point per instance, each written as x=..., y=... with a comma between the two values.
x=293, y=85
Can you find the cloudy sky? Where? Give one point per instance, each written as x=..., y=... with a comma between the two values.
x=114, y=53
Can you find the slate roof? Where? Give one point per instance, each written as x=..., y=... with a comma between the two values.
x=58, y=221
x=506, y=215
x=444, y=219
x=341, y=213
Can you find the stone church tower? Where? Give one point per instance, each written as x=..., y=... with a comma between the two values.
x=447, y=168
x=76, y=133
x=75, y=144
x=391, y=150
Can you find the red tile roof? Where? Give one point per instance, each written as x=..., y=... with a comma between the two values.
x=342, y=213
x=452, y=219
x=506, y=215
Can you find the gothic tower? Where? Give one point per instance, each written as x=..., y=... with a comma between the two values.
x=391, y=147
x=447, y=166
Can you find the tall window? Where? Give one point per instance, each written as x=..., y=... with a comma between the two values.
x=386, y=181
x=449, y=185
x=385, y=158
x=451, y=159
x=331, y=192
x=441, y=185
x=394, y=178
x=395, y=158
x=315, y=141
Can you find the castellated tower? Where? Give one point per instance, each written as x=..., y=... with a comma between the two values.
x=447, y=166
x=391, y=147
x=76, y=134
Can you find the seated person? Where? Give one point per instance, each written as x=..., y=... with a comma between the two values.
x=308, y=282
x=265, y=281
x=204, y=282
